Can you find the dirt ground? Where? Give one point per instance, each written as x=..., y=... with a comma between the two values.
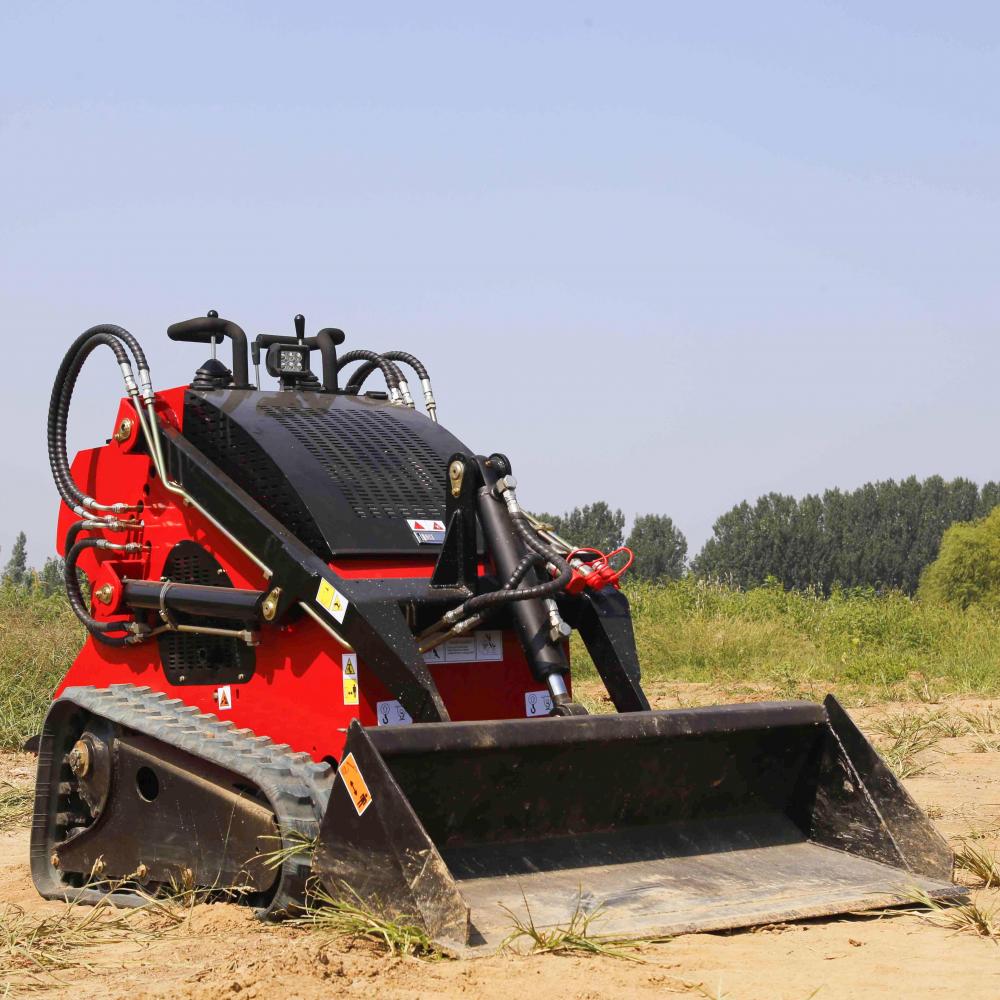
x=221, y=950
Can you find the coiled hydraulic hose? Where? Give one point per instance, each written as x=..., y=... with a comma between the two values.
x=97, y=629
x=62, y=393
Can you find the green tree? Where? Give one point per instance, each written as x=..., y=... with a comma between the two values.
x=594, y=525
x=967, y=569
x=659, y=546
x=16, y=570
x=50, y=579
x=881, y=535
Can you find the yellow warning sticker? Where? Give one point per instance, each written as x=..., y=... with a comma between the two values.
x=349, y=669
x=332, y=600
x=350, y=774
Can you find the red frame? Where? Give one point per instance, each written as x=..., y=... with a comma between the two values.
x=296, y=694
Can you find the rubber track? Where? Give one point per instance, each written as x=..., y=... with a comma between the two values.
x=296, y=787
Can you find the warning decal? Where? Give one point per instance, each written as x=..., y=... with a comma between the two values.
x=224, y=696
x=350, y=774
x=480, y=647
x=332, y=600
x=427, y=530
x=349, y=669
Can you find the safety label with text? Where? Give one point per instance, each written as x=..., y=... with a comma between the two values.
x=479, y=647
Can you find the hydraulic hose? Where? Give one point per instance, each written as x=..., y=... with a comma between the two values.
x=359, y=377
x=59, y=402
x=390, y=372
x=97, y=629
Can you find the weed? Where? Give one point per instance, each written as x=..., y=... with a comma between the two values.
x=958, y=915
x=15, y=805
x=984, y=723
x=299, y=846
x=350, y=917
x=979, y=863
x=904, y=736
x=34, y=949
x=576, y=937
x=983, y=744
x=950, y=725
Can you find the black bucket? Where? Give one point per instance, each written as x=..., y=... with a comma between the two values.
x=668, y=822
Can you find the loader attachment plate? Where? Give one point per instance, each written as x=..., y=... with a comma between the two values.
x=667, y=822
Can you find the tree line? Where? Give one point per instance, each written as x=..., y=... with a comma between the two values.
x=17, y=573
x=881, y=535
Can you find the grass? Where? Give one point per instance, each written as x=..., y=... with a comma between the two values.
x=967, y=916
x=573, y=938
x=39, y=638
x=762, y=642
x=902, y=737
x=980, y=864
x=299, y=846
x=33, y=950
x=350, y=918
x=15, y=805
x=768, y=641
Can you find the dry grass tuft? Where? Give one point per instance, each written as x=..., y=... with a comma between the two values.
x=984, y=723
x=967, y=916
x=15, y=805
x=905, y=735
x=575, y=938
x=33, y=950
x=351, y=918
x=980, y=864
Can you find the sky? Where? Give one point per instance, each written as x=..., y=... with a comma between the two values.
x=667, y=255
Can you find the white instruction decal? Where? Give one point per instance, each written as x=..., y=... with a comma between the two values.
x=391, y=713
x=427, y=530
x=480, y=647
x=349, y=669
x=537, y=703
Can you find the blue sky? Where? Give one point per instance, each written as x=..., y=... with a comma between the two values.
x=667, y=255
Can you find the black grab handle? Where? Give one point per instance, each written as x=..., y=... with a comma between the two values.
x=211, y=329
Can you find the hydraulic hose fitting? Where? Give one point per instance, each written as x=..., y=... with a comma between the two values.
x=560, y=629
x=404, y=391
x=429, y=401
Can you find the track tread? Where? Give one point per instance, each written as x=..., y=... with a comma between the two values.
x=296, y=787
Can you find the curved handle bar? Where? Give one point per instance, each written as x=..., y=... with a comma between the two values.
x=211, y=329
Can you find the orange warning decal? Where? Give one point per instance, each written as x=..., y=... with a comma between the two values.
x=350, y=774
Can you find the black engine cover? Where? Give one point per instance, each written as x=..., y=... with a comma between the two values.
x=344, y=473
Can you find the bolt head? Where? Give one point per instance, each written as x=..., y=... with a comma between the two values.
x=54, y=860
x=141, y=871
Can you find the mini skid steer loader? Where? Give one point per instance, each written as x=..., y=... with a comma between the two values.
x=316, y=617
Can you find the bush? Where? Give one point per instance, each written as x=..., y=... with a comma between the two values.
x=967, y=569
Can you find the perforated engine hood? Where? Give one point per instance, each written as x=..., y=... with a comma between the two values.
x=344, y=473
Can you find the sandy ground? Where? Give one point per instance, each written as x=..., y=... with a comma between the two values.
x=220, y=950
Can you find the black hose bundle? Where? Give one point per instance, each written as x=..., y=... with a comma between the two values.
x=393, y=376
x=511, y=592
x=97, y=629
x=113, y=337
x=359, y=377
